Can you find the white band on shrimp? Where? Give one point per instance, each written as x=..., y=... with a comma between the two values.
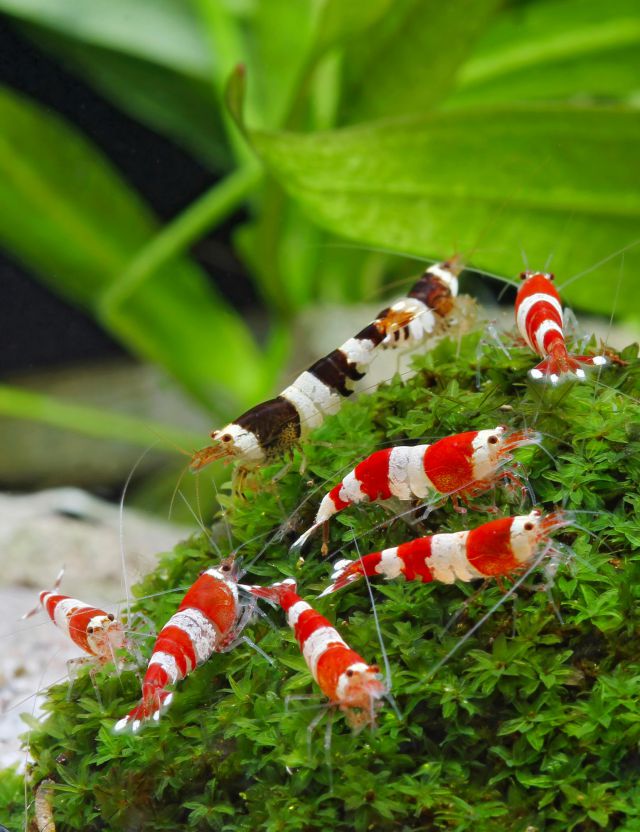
x=525, y=307
x=542, y=330
x=168, y=663
x=326, y=400
x=346, y=676
x=445, y=275
x=203, y=635
x=316, y=644
x=448, y=561
x=295, y=611
x=390, y=564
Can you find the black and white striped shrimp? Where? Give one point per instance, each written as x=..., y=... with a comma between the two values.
x=270, y=428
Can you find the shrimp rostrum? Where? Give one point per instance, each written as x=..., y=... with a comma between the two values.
x=209, y=619
x=350, y=684
x=460, y=466
x=497, y=549
x=269, y=429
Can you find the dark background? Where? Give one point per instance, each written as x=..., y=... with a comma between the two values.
x=37, y=328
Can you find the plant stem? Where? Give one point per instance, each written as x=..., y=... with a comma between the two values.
x=37, y=407
x=202, y=215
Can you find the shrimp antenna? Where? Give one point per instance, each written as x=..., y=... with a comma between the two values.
x=488, y=614
x=598, y=264
x=385, y=657
x=222, y=514
x=123, y=558
x=200, y=524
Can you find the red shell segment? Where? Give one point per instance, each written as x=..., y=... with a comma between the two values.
x=331, y=665
x=214, y=599
x=177, y=643
x=336, y=657
x=489, y=548
x=449, y=462
x=373, y=475
x=414, y=555
x=78, y=623
x=536, y=284
x=334, y=496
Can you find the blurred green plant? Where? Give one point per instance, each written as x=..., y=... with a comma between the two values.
x=466, y=126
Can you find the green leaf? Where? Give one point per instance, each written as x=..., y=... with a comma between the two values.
x=163, y=31
x=68, y=215
x=555, y=50
x=543, y=180
x=338, y=20
x=408, y=61
x=182, y=107
x=91, y=421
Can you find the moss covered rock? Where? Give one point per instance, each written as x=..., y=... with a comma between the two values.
x=532, y=722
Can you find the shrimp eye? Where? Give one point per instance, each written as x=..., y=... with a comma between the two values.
x=551, y=276
x=528, y=527
x=226, y=437
x=111, y=616
x=523, y=275
x=349, y=672
x=226, y=567
x=492, y=440
x=89, y=630
x=374, y=668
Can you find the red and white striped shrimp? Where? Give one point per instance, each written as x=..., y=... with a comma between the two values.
x=269, y=429
x=95, y=631
x=208, y=619
x=460, y=466
x=349, y=683
x=539, y=319
x=501, y=547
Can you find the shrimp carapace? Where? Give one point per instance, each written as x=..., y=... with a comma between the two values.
x=267, y=430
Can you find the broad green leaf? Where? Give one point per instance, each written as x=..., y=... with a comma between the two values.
x=280, y=41
x=182, y=107
x=337, y=20
x=556, y=50
x=498, y=183
x=163, y=31
x=70, y=217
x=408, y=61
x=91, y=421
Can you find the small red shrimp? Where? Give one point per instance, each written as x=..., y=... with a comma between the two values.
x=349, y=683
x=501, y=547
x=460, y=466
x=539, y=318
x=208, y=620
x=95, y=631
x=269, y=429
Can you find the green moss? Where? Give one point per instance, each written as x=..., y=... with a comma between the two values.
x=533, y=721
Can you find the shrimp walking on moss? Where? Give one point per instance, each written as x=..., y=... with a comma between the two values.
x=460, y=466
x=95, y=631
x=350, y=684
x=269, y=429
x=500, y=548
x=540, y=322
x=209, y=620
